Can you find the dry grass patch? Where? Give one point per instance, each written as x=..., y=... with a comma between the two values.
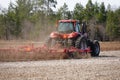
x=109, y=46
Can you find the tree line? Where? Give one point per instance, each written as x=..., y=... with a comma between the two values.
x=33, y=19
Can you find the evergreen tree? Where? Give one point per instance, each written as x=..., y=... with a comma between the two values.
x=44, y=5
x=18, y=13
x=117, y=31
x=96, y=11
x=63, y=12
x=78, y=12
x=89, y=11
x=102, y=13
x=2, y=25
x=112, y=27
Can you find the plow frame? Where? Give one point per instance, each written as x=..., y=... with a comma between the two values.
x=43, y=49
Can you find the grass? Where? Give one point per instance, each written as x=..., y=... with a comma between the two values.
x=14, y=55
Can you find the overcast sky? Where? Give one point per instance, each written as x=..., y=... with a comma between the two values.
x=71, y=3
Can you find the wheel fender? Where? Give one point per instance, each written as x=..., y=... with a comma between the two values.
x=54, y=35
x=73, y=34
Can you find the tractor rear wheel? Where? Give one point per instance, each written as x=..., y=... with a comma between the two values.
x=70, y=43
x=81, y=43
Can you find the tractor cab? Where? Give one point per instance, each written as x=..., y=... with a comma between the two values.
x=66, y=29
x=68, y=26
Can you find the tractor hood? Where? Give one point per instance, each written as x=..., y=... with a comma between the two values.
x=63, y=36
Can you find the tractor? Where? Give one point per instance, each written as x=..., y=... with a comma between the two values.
x=73, y=34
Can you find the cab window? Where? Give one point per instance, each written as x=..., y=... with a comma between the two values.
x=77, y=27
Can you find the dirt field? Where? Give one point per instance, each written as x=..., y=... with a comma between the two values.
x=27, y=65
x=105, y=67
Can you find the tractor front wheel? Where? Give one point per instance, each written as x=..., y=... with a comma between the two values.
x=96, y=48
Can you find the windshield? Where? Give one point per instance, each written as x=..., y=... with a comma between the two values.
x=66, y=27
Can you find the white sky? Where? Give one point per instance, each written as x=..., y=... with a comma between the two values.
x=71, y=3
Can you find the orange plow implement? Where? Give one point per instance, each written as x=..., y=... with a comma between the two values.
x=32, y=52
x=32, y=48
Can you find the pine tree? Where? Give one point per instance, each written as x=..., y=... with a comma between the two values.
x=89, y=11
x=102, y=13
x=112, y=27
x=78, y=12
x=63, y=12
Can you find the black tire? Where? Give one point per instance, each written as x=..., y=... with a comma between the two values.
x=81, y=43
x=95, y=48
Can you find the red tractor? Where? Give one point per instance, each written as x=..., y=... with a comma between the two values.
x=71, y=34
